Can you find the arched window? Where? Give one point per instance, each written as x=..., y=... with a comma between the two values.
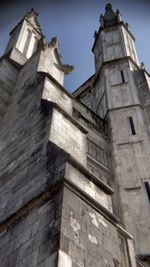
x=27, y=42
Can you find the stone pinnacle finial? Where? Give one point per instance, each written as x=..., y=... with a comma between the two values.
x=110, y=17
x=43, y=44
x=54, y=43
x=32, y=10
x=67, y=69
x=108, y=6
x=95, y=34
x=142, y=66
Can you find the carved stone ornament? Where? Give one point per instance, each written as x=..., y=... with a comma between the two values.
x=67, y=68
x=95, y=34
x=32, y=12
x=76, y=113
x=54, y=43
x=142, y=66
x=43, y=44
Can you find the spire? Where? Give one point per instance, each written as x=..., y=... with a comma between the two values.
x=108, y=6
x=32, y=17
x=33, y=11
x=110, y=17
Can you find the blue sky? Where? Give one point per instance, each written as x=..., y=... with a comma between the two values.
x=74, y=23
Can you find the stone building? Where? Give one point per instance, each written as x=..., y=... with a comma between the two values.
x=74, y=168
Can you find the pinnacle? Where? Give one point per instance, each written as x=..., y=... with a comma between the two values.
x=108, y=6
x=33, y=12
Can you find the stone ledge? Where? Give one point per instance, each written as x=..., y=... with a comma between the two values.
x=49, y=193
x=35, y=202
x=144, y=257
x=9, y=60
x=47, y=105
x=90, y=201
x=124, y=232
x=107, y=189
x=105, y=167
x=125, y=107
x=104, y=212
x=50, y=77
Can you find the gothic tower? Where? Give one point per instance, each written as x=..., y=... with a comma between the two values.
x=74, y=168
x=120, y=95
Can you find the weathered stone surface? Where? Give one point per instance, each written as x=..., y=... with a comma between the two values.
x=33, y=238
x=86, y=235
x=62, y=157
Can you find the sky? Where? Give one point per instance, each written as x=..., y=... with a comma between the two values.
x=74, y=23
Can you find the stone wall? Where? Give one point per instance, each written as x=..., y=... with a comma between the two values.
x=54, y=93
x=68, y=136
x=8, y=75
x=130, y=158
x=23, y=151
x=86, y=236
x=32, y=239
x=143, y=87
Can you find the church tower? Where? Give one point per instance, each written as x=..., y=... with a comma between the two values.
x=74, y=168
x=119, y=93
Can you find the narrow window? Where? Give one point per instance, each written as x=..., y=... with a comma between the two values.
x=147, y=189
x=34, y=45
x=27, y=42
x=132, y=126
x=122, y=76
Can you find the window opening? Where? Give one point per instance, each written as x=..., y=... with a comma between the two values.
x=147, y=186
x=122, y=76
x=132, y=126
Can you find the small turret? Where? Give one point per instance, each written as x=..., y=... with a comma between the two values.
x=24, y=38
x=110, y=17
